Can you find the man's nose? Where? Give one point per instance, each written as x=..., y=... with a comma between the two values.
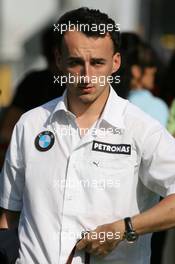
x=86, y=70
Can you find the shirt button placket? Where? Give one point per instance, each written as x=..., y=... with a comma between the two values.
x=69, y=205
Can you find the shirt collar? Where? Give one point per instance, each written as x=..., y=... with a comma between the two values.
x=62, y=103
x=61, y=106
x=114, y=109
x=112, y=113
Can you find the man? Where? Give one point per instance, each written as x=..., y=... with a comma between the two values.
x=88, y=161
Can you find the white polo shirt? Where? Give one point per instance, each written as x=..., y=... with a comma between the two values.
x=64, y=184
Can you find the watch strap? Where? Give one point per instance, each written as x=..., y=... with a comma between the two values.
x=128, y=224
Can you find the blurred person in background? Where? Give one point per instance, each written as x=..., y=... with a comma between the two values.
x=139, y=68
x=129, y=41
x=35, y=89
x=167, y=91
x=171, y=233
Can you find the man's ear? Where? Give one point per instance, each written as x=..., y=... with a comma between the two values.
x=136, y=72
x=116, y=62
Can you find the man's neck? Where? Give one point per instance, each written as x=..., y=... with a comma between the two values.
x=88, y=114
x=95, y=108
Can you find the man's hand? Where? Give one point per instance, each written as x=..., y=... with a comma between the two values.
x=103, y=239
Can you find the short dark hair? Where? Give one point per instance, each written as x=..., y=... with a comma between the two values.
x=90, y=17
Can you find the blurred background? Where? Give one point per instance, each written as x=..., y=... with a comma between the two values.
x=22, y=24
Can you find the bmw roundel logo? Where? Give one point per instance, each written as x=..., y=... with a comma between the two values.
x=44, y=141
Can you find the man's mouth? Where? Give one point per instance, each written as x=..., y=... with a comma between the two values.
x=87, y=89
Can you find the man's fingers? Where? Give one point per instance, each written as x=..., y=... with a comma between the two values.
x=81, y=244
x=96, y=245
x=84, y=241
x=103, y=253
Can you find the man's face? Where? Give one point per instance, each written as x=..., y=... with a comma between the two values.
x=90, y=58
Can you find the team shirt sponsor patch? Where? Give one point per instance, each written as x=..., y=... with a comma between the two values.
x=111, y=148
x=44, y=141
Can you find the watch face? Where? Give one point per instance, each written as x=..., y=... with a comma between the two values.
x=131, y=237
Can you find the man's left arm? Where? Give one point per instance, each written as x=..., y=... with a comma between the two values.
x=159, y=217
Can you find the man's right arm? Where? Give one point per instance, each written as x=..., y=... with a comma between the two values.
x=9, y=219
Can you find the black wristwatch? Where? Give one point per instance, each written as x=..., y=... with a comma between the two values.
x=130, y=234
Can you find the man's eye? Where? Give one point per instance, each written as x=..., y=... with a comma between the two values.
x=74, y=63
x=97, y=63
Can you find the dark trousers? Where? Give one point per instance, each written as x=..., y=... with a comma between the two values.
x=9, y=246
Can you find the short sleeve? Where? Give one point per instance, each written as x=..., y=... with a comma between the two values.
x=157, y=170
x=12, y=175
